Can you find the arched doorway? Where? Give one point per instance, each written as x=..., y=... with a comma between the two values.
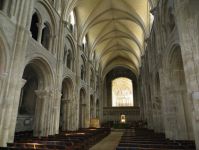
x=36, y=99
x=27, y=102
x=178, y=105
x=82, y=108
x=66, y=103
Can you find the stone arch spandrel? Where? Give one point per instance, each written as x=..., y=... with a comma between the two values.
x=35, y=11
x=4, y=53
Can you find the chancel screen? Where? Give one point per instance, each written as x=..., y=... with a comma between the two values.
x=122, y=92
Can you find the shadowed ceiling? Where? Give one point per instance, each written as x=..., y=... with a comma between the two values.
x=115, y=30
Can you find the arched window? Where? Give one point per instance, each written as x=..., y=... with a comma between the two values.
x=84, y=43
x=69, y=59
x=34, y=28
x=45, y=41
x=82, y=72
x=97, y=83
x=72, y=21
x=172, y=20
x=64, y=57
x=92, y=79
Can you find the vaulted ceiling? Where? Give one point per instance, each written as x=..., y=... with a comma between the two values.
x=115, y=30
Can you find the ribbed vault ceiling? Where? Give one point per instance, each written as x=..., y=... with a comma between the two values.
x=114, y=29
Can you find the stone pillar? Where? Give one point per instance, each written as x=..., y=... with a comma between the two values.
x=50, y=37
x=88, y=70
x=50, y=113
x=84, y=119
x=68, y=113
x=3, y=85
x=9, y=114
x=12, y=7
x=182, y=127
x=95, y=101
x=39, y=127
x=54, y=47
x=187, y=24
x=91, y=114
x=40, y=29
x=64, y=113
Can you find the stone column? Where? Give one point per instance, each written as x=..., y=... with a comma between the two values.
x=12, y=7
x=88, y=70
x=9, y=114
x=50, y=113
x=187, y=24
x=182, y=127
x=68, y=112
x=64, y=115
x=40, y=29
x=3, y=85
x=39, y=127
x=84, y=115
x=94, y=108
x=91, y=114
x=50, y=37
x=54, y=47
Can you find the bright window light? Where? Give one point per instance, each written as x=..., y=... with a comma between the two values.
x=84, y=40
x=72, y=21
x=122, y=92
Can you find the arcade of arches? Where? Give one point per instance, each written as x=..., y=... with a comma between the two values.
x=60, y=58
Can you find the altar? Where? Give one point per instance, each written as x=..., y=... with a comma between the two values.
x=120, y=125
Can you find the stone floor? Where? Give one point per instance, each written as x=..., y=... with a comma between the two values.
x=109, y=142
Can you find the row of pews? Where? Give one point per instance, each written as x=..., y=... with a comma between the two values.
x=77, y=140
x=145, y=139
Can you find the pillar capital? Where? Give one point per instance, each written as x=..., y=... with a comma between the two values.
x=65, y=23
x=80, y=47
x=40, y=25
x=42, y=93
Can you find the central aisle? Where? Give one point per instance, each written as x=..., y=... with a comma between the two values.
x=109, y=142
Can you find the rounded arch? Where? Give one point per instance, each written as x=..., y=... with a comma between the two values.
x=43, y=69
x=68, y=84
x=35, y=11
x=175, y=66
x=51, y=15
x=72, y=44
x=47, y=32
x=103, y=74
x=83, y=92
